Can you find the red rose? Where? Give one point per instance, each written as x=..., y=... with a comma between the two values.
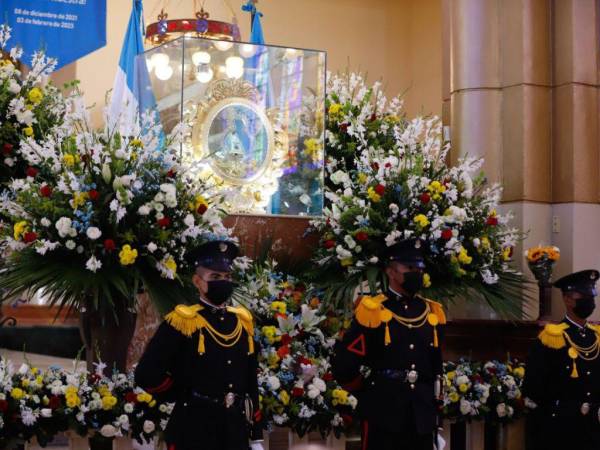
x=30, y=237
x=362, y=236
x=380, y=189
x=328, y=376
x=388, y=165
x=329, y=243
x=447, y=234
x=31, y=172
x=109, y=245
x=375, y=166
x=54, y=402
x=202, y=209
x=347, y=418
x=7, y=148
x=282, y=352
x=373, y=117
x=305, y=361
x=3, y=406
x=492, y=221
x=46, y=191
x=510, y=252
x=171, y=173
x=131, y=397
x=425, y=197
x=164, y=222
x=94, y=194
x=344, y=127
x=286, y=339
x=297, y=392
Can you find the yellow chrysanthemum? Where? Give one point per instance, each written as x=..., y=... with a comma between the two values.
x=35, y=95
x=485, y=243
x=426, y=280
x=334, y=109
x=450, y=375
x=463, y=388
x=506, y=252
x=17, y=393
x=19, y=229
x=519, y=372
x=463, y=256
x=421, y=220
x=373, y=196
x=454, y=397
x=284, y=397
x=71, y=390
x=171, y=265
x=127, y=255
x=340, y=397
x=73, y=400
x=144, y=397
x=279, y=307
x=108, y=402
x=270, y=333
x=137, y=143
x=28, y=131
x=362, y=178
x=273, y=360
x=25, y=382
x=79, y=199
x=69, y=160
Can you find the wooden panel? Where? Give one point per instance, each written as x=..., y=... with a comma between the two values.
x=29, y=315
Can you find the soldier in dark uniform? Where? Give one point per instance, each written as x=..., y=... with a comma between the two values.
x=562, y=379
x=397, y=337
x=203, y=358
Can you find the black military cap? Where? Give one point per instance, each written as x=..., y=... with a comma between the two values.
x=407, y=252
x=583, y=282
x=215, y=255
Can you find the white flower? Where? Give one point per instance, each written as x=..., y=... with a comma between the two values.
x=306, y=412
x=462, y=379
x=46, y=412
x=10, y=162
x=274, y=383
x=352, y=401
x=14, y=87
x=28, y=417
x=128, y=408
x=93, y=233
x=319, y=384
x=64, y=228
x=501, y=410
x=106, y=173
x=489, y=277
x=93, y=264
x=189, y=220
x=342, y=253
x=339, y=177
x=70, y=244
x=394, y=209
x=144, y=210
x=391, y=238
x=465, y=407
x=350, y=242
x=149, y=426
x=108, y=431
x=23, y=369
x=45, y=222
x=151, y=247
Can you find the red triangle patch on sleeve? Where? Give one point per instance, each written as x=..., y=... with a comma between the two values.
x=358, y=346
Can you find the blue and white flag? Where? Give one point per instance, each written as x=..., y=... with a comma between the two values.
x=132, y=90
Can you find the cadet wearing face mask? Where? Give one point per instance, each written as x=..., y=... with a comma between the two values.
x=562, y=380
x=203, y=358
x=397, y=336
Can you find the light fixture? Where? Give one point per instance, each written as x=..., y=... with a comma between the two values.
x=234, y=67
x=248, y=50
x=201, y=58
x=163, y=73
x=204, y=73
x=223, y=45
x=159, y=60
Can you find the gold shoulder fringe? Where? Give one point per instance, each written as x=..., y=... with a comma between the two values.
x=595, y=328
x=370, y=311
x=552, y=336
x=185, y=319
x=438, y=310
x=245, y=316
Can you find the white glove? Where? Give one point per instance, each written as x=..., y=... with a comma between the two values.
x=256, y=446
x=441, y=443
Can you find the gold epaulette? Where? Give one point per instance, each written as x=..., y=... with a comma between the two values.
x=552, y=336
x=437, y=309
x=370, y=311
x=594, y=328
x=185, y=319
x=247, y=320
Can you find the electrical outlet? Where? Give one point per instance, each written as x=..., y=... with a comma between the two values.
x=555, y=224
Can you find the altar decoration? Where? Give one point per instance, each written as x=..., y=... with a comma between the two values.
x=256, y=119
x=40, y=404
x=388, y=180
x=296, y=333
x=103, y=217
x=541, y=260
x=489, y=391
x=29, y=106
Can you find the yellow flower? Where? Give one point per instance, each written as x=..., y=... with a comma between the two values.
x=35, y=95
x=144, y=397
x=311, y=148
x=127, y=255
x=284, y=397
x=362, y=178
x=463, y=388
x=392, y=119
x=519, y=372
x=485, y=243
x=171, y=265
x=69, y=160
x=108, y=402
x=73, y=400
x=152, y=403
x=463, y=256
x=273, y=359
x=340, y=397
x=17, y=393
x=279, y=307
x=374, y=196
x=454, y=397
x=25, y=382
x=79, y=199
x=426, y=280
x=346, y=262
x=71, y=390
x=19, y=229
x=421, y=220
x=136, y=143
x=270, y=333
x=506, y=253
x=334, y=109
x=28, y=131
x=450, y=375
x=199, y=202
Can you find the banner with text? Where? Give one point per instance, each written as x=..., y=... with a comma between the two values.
x=64, y=29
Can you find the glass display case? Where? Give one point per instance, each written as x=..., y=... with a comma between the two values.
x=254, y=115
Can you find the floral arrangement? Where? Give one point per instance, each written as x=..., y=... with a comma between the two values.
x=387, y=181
x=101, y=215
x=535, y=254
x=29, y=106
x=488, y=391
x=296, y=335
x=40, y=404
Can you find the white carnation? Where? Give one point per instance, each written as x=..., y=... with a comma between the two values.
x=93, y=233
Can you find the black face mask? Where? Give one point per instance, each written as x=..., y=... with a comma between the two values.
x=584, y=307
x=219, y=291
x=413, y=282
